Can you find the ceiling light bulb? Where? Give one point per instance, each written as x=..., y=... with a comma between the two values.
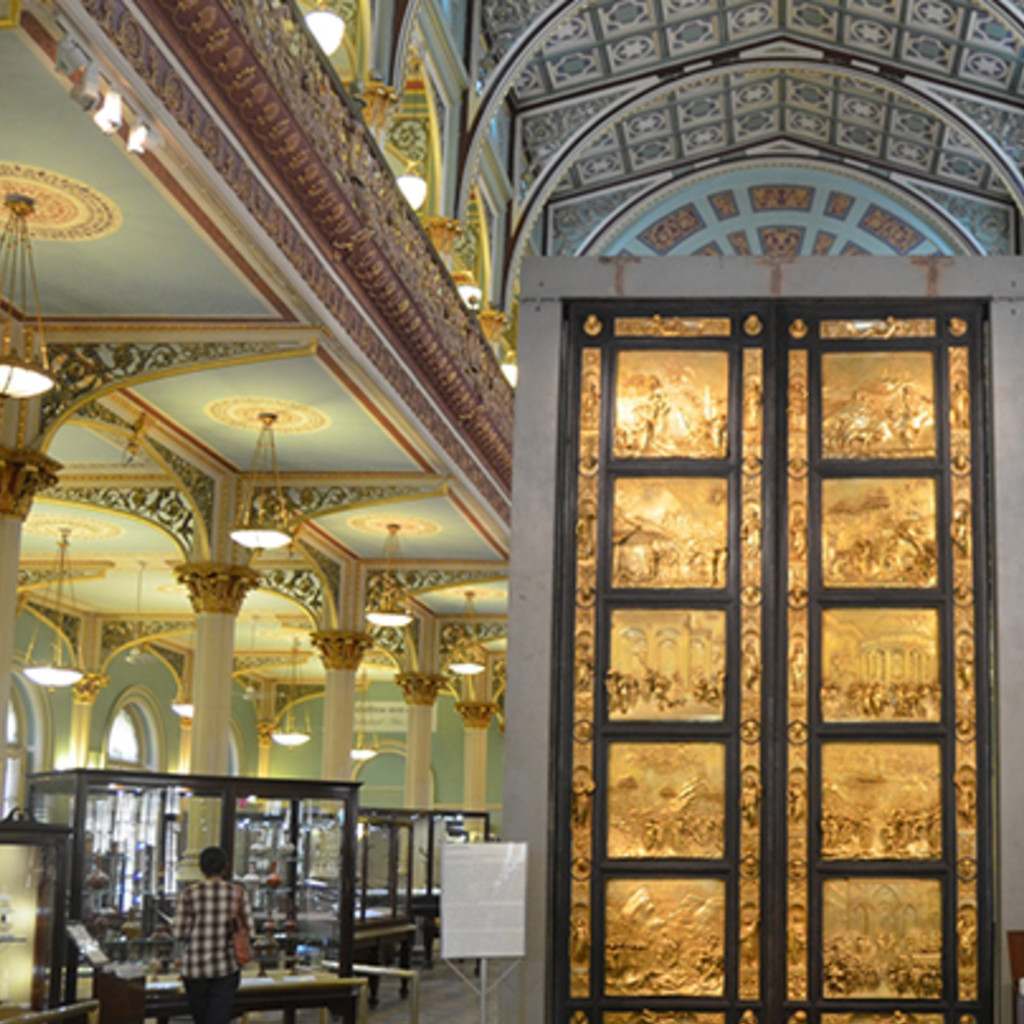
x=327, y=28
x=511, y=371
x=22, y=379
x=395, y=619
x=414, y=188
x=108, y=117
x=184, y=708
x=263, y=540
x=138, y=137
x=471, y=295
x=362, y=753
x=290, y=739
x=466, y=668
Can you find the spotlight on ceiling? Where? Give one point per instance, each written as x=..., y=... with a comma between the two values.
x=413, y=187
x=327, y=28
x=139, y=138
x=110, y=116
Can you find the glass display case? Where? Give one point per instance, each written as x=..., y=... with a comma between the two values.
x=136, y=841
x=33, y=878
x=384, y=868
x=430, y=830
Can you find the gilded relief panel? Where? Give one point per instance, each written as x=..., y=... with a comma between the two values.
x=671, y=404
x=879, y=532
x=672, y=1017
x=896, y=1017
x=666, y=800
x=880, y=665
x=881, y=801
x=878, y=405
x=882, y=938
x=665, y=937
x=670, y=532
x=666, y=664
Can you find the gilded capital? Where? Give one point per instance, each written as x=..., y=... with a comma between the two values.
x=264, y=730
x=476, y=714
x=442, y=232
x=215, y=586
x=492, y=323
x=420, y=688
x=23, y=474
x=340, y=649
x=87, y=689
x=379, y=100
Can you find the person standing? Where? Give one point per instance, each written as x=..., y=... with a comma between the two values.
x=203, y=921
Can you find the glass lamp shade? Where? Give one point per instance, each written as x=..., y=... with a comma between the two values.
x=471, y=296
x=262, y=538
x=53, y=675
x=414, y=188
x=393, y=617
x=289, y=739
x=184, y=708
x=327, y=28
x=466, y=667
x=20, y=378
x=362, y=754
x=511, y=371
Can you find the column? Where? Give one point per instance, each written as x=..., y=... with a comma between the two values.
x=341, y=653
x=476, y=718
x=23, y=474
x=216, y=591
x=421, y=691
x=85, y=692
x=185, y=746
x=264, y=730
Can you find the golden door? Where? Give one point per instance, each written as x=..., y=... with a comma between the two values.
x=772, y=699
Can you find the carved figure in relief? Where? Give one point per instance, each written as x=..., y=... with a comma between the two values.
x=586, y=525
x=752, y=394
x=960, y=405
x=750, y=936
x=967, y=936
x=590, y=402
x=579, y=934
x=750, y=795
x=796, y=795
x=750, y=529
x=797, y=532
x=751, y=661
x=965, y=782
x=961, y=529
x=582, y=793
x=584, y=660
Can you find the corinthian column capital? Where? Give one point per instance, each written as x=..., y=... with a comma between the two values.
x=216, y=586
x=340, y=649
x=476, y=714
x=87, y=689
x=420, y=688
x=23, y=474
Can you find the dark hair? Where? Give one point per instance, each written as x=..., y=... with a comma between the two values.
x=212, y=862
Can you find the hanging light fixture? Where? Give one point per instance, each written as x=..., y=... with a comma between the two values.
x=327, y=27
x=391, y=608
x=183, y=705
x=362, y=751
x=413, y=186
x=263, y=519
x=55, y=672
x=510, y=368
x=24, y=368
x=137, y=651
x=468, y=656
x=286, y=733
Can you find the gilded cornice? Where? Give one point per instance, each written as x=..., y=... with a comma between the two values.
x=258, y=69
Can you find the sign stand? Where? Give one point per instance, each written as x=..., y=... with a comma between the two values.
x=483, y=909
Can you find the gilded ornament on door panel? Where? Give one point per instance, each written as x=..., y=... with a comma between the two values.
x=665, y=936
x=666, y=664
x=896, y=1017
x=879, y=532
x=672, y=1017
x=670, y=532
x=671, y=404
x=957, y=327
x=881, y=801
x=753, y=326
x=880, y=664
x=890, y=327
x=882, y=938
x=877, y=405
x=666, y=800
x=672, y=327
x=592, y=325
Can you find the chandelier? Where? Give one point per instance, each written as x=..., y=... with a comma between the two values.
x=391, y=605
x=24, y=368
x=263, y=521
x=54, y=672
x=468, y=656
x=286, y=733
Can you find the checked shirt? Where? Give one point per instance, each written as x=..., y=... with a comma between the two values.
x=203, y=923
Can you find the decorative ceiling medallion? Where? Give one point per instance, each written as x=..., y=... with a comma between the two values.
x=81, y=527
x=66, y=210
x=292, y=417
x=378, y=522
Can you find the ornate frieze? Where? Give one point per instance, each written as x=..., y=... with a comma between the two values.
x=165, y=507
x=117, y=633
x=340, y=649
x=420, y=687
x=214, y=587
x=23, y=474
x=303, y=586
x=483, y=631
x=317, y=500
x=418, y=581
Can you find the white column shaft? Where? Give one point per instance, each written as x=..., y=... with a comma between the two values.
x=474, y=769
x=10, y=553
x=339, y=723
x=418, y=789
x=211, y=692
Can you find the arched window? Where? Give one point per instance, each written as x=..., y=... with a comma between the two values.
x=129, y=739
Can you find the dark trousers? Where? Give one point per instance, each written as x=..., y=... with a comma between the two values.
x=211, y=999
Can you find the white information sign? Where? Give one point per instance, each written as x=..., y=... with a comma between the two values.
x=483, y=900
